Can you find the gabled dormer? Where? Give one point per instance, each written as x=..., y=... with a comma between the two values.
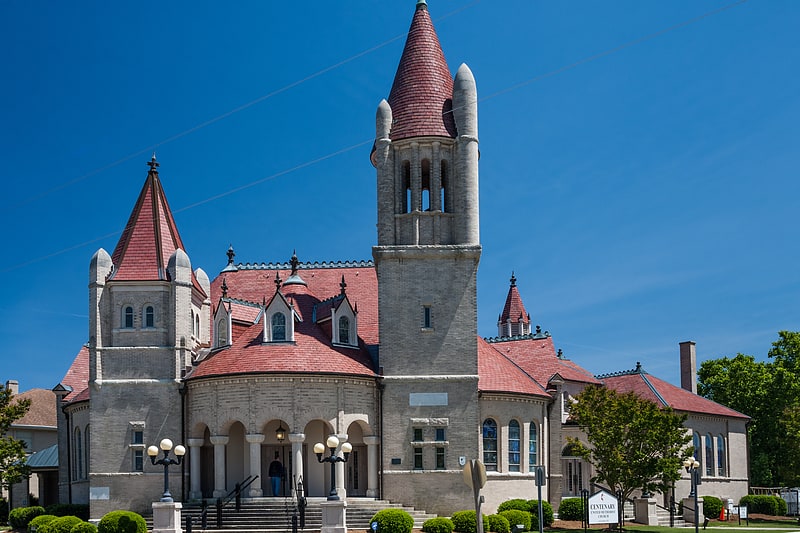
x=279, y=316
x=344, y=320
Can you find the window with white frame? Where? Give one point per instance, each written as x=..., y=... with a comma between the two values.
x=490, y=445
x=278, y=324
x=721, y=462
x=532, y=447
x=709, y=455
x=222, y=331
x=513, y=446
x=344, y=330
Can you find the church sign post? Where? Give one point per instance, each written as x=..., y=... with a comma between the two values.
x=603, y=508
x=475, y=477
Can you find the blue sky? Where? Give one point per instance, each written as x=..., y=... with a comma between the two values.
x=641, y=183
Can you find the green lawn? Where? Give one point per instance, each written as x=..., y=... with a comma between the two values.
x=776, y=524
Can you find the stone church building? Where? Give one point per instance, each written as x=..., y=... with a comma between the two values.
x=272, y=357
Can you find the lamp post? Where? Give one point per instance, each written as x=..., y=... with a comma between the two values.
x=692, y=466
x=166, y=446
x=332, y=444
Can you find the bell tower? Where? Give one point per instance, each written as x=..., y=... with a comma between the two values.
x=426, y=156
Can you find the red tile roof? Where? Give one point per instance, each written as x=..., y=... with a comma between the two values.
x=536, y=355
x=421, y=95
x=312, y=350
x=77, y=377
x=514, y=308
x=150, y=236
x=497, y=373
x=666, y=394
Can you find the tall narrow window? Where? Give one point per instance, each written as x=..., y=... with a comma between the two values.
x=490, y=445
x=444, y=201
x=149, y=316
x=344, y=330
x=513, y=446
x=721, y=462
x=407, y=208
x=86, y=444
x=197, y=325
x=709, y=455
x=278, y=327
x=418, y=458
x=222, y=331
x=78, y=468
x=137, y=450
x=426, y=185
x=698, y=453
x=127, y=317
x=440, y=458
x=427, y=321
x=532, y=446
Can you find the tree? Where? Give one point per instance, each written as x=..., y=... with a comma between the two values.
x=12, y=451
x=634, y=443
x=768, y=392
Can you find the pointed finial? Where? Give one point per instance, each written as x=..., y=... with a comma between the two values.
x=343, y=285
x=231, y=254
x=538, y=330
x=224, y=287
x=294, y=262
x=277, y=281
x=513, y=279
x=560, y=354
x=638, y=367
x=153, y=164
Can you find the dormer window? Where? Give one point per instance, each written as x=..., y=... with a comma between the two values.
x=344, y=330
x=127, y=317
x=278, y=322
x=222, y=332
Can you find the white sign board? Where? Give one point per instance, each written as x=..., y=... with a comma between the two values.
x=603, y=508
x=743, y=511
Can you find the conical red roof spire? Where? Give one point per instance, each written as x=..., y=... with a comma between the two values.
x=514, y=310
x=422, y=92
x=149, y=238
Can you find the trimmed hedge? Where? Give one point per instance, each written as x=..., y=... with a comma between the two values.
x=81, y=510
x=466, y=522
x=83, y=527
x=517, y=503
x=712, y=506
x=517, y=517
x=440, y=524
x=122, y=522
x=764, y=504
x=391, y=521
x=498, y=523
x=62, y=524
x=570, y=509
x=20, y=517
x=39, y=521
x=547, y=510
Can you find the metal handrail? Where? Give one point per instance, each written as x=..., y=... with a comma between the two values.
x=235, y=493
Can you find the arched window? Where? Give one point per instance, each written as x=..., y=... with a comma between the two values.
x=278, y=321
x=149, y=316
x=698, y=456
x=127, y=317
x=513, y=446
x=344, y=330
x=197, y=325
x=532, y=447
x=222, y=332
x=490, y=445
x=721, y=463
x=709, y=455
x=78, y=468
x=86, y=453
x=194, y=328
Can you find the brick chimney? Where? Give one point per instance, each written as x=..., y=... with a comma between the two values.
x=688, y=366
x=13, y=386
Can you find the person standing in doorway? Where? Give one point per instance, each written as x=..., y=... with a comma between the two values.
x=276, y=474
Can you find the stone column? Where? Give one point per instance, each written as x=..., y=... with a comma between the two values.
x=219, y=442
x=195, y=492
x=255, y=440
x=372, y=465
x=297, y=440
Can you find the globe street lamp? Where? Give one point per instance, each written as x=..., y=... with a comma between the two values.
x=166, y=446
x=333, y=444
x=692, y=466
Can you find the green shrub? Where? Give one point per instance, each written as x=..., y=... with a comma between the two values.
x=122, y=522
x=516, y=517
x=466, y=522
x=83, y=527
x=440, y=524
x=391, y=521
x=518, y=503
x=38, y=521
x=783, y=507
x=20, y=517
x=711, y=506
x=570, y=509
x=62, y=524
x=81, y=510
x=498, y=523
x=763, y=504
x=547, y=510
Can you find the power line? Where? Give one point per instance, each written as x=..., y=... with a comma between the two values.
x=341, y=151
